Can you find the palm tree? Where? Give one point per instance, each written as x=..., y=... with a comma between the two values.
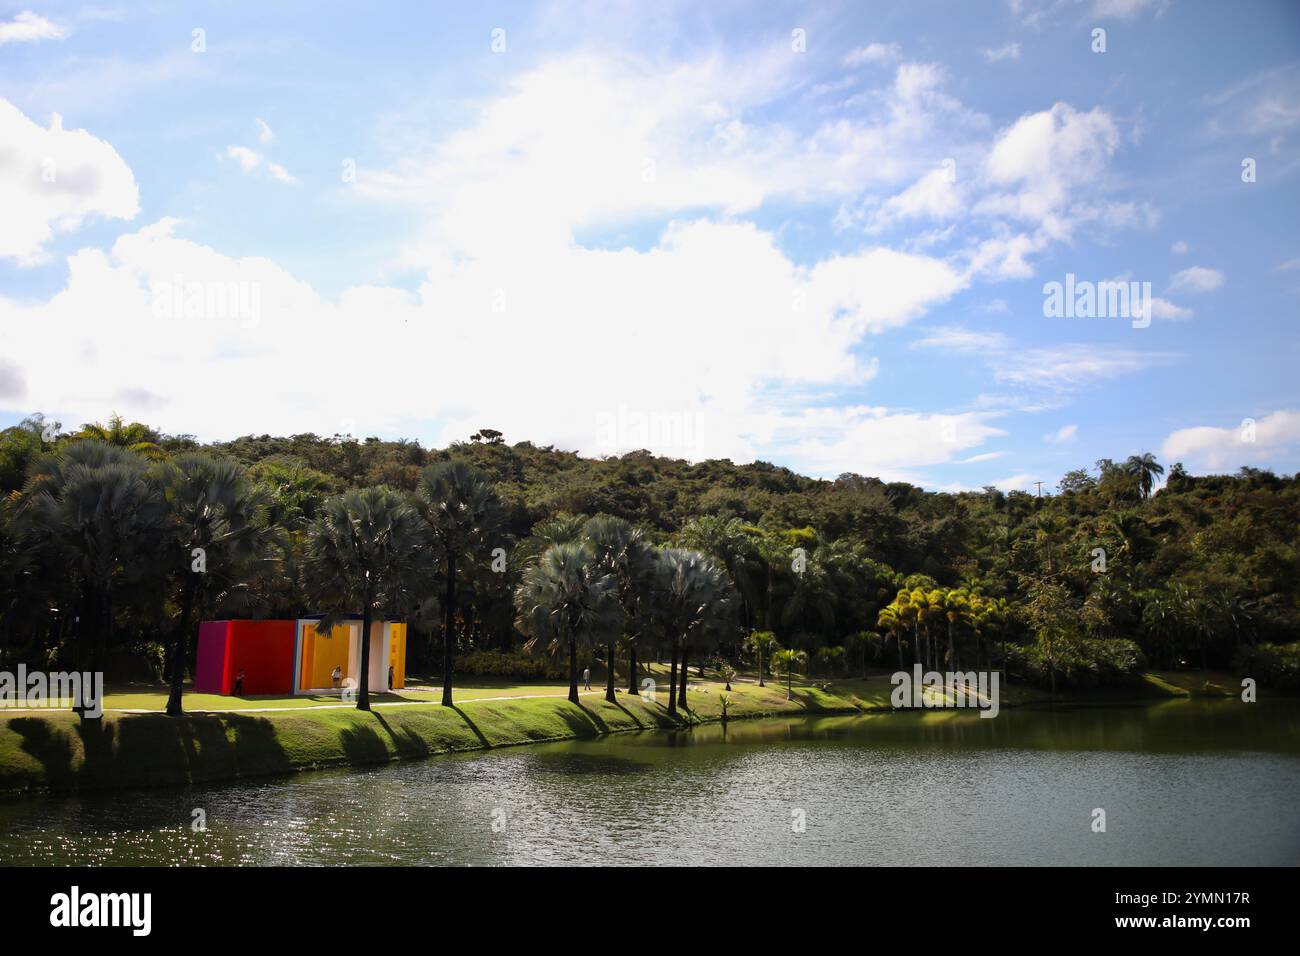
x=135, y=437
x=696, y=594
x=762, y=643
x=788, y=660
x=463, y=513
x=1146, y=470
x=891, y=618
x=567, y=600
x=367, y=548
x=618, y=548
x=216, y=533
x=725, y=538
x=92, y=510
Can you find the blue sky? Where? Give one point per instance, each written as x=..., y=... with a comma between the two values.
x=813, y=234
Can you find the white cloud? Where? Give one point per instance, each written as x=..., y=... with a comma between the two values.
x=873, y=53
x=1196, y=279
x=591, y=140
x=52, y=180
x=1064, y=434
x=1179, y=248
x=264, y=132
x=250, y=160
x=1043, y=158
x=28, y=27
x=1275, y=434
x=1125, y=9
x=1050, y=371
x=935, y=196
x=1008, y=51
x=709, y=342
x=1164, y=309
x=1021, y=482
x=613, y=326
x=877, y=441
x=1264, y=106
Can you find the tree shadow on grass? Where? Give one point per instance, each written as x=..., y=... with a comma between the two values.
x=583, y=721
x=654, y=723
x=151, y=750
x=482, y=739
x=49, y=746
x=406, y=742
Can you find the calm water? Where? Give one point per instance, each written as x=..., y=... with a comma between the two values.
x=1181, y=783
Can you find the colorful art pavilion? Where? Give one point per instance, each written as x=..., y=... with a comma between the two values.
x=293, y=657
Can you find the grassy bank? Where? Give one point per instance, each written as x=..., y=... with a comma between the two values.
x=42, y=751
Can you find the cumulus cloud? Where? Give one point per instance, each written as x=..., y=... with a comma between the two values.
x=1063, y=434
x=1164, y=309
x=1205, y=446
x=28, y=27
x=1042, y=159
x=1196, y=279
x=52, y=180
x=707, y=340
x=707, y=345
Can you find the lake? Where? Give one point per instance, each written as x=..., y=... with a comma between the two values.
x=1181, y=783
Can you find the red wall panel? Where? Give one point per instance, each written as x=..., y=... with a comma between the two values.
x=264, y=650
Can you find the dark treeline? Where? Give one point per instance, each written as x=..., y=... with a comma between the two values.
x=116, y=539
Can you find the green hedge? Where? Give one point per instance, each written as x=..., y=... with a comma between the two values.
x=515, y=665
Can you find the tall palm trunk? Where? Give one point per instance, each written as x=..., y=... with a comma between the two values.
x=916, y=643
x=631, y=669
x=363, y=691
x=672, y=684
x=86, y=629
x=681, y=697
x=761, y=682
x=449, y=629
x=898, y=643
x=609, y=678
x=180, y=648
x=952, y=649
x=573, y=670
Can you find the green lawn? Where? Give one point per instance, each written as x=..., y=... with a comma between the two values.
x=56, y=751
x=216, y=741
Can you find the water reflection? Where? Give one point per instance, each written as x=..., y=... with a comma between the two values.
x=1182, y=783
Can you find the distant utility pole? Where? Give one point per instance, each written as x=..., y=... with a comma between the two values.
x=1040, y=488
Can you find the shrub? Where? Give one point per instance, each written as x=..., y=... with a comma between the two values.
x=1272, y=665
x=515, y=665
x=1085, y=662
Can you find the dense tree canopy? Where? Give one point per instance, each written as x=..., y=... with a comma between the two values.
x=1069, y=586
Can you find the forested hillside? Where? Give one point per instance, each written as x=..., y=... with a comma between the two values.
x=1090, y=582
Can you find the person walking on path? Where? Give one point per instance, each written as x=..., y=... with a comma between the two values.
x=586, y=677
